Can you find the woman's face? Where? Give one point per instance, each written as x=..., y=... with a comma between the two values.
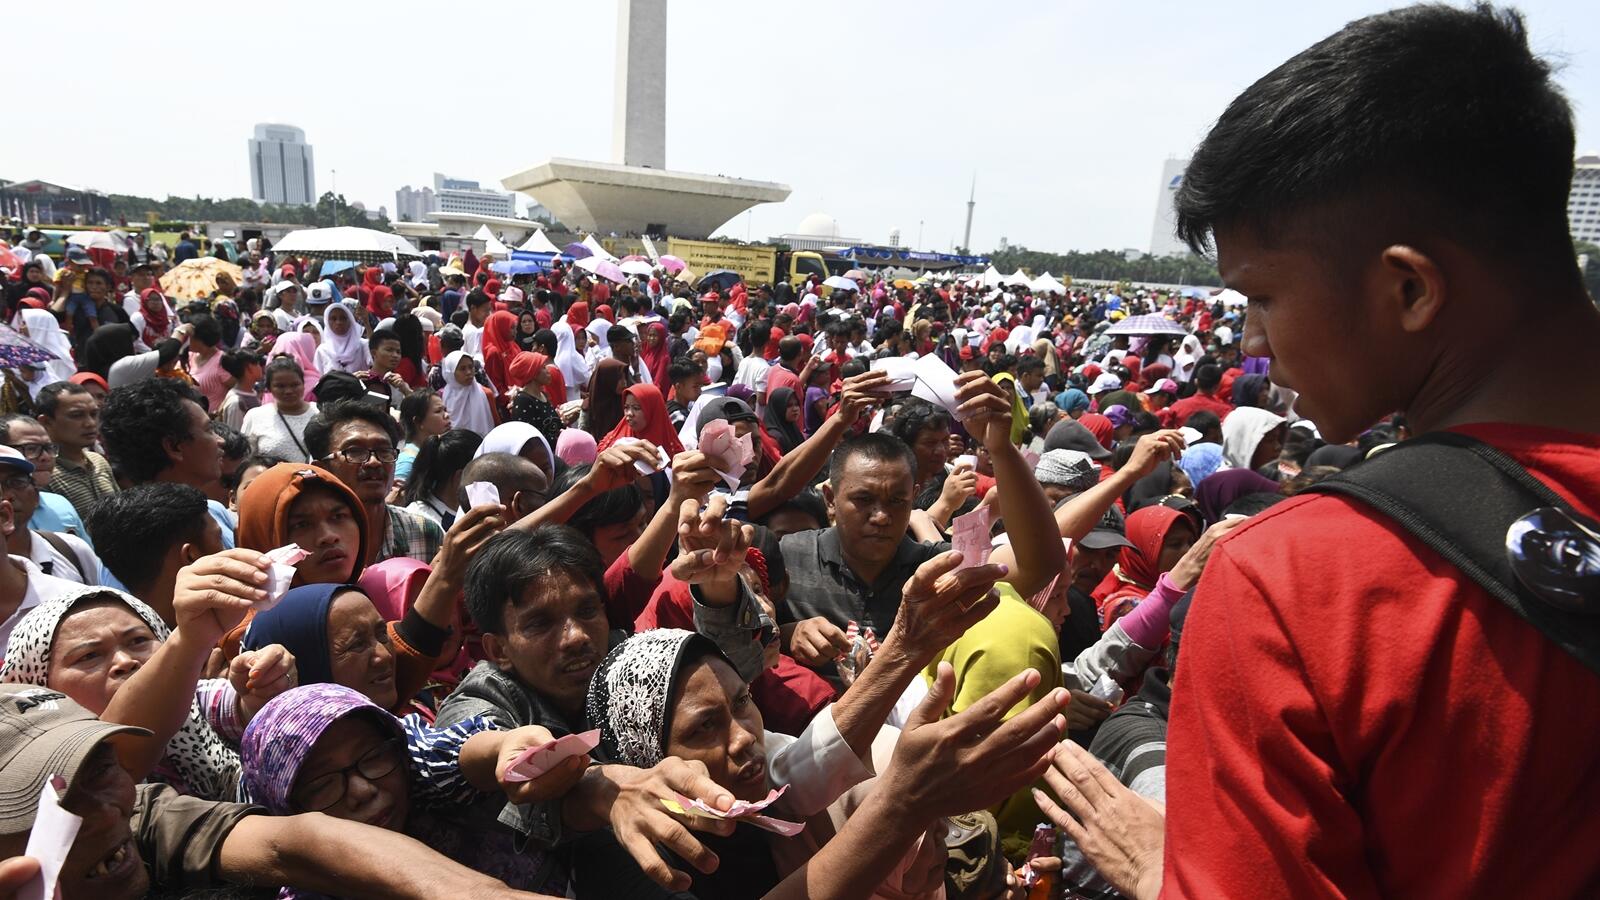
x=98, y=646
x=437, y=421
x=465, y=369
x=287, y=388
x=633, y=414
x=932, y=448
x=246, y=475
x=338, y=765
x=527, y=323
x=792, y=413
x=325, y=526
x=154, y=303
x=580, y=339
x=652, y=337
x=358, y=647
x=1178, y=542
x=339, y=321
x=715, y=721
x=1271, y=445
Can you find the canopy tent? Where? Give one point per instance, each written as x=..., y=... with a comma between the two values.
x=1017, y=279
x=347, y=242
x=992, y=277
x=538, y=242
x=1232, y=298
x=594, y=246
x=1047, y=284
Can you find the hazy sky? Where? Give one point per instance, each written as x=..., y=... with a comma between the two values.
x=877, y=113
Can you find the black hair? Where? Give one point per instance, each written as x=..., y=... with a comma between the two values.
x=1030, y=364
x=139, y=419
x=1253, y=504
x=1299, y=444
x=50, y=396
x=441, y=456
x=677, y=322
x=682, y=368
x=808, y=502
x=381, y=335
x=915, y=416
x=878, y=445
x=790, y=348
x=1397, y=111
x=236, y=361
x=234, y=444
x=282, y=364
x=1204, y=422
x=133, y=530
x=618, y=333
x=477, y=297
x=207, y=329
x=10, y=419
x=853, y=368
x=1377, y=436
x=1144, y=423
x=610, y=508
x=513, y=559
x=413, y=409
x=1207, y=377
x=319, y=431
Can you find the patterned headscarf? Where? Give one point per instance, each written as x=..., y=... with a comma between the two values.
x=630, y=693
x=197, y=760
x=281, y=736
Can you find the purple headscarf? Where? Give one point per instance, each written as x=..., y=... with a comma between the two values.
x=281, y=736
x=1217, y=492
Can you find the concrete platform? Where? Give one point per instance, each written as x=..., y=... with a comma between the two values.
x=607, y=197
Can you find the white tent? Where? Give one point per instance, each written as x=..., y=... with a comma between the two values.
x=1047, y=284
x=483, y=234
x=1017, y=279
x=1233, y=298
x=539, y=243
x=992, y=277
x=599, y=251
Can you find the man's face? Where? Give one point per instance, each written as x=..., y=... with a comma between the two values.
x=555, y=638
x=1092, y=566
x=19, y=487
x=371, y=479
x=325, y=526
x=104, y=861
x=142, y=279
x=872, y=506
x=386, y=356
x=1328, y=339
x=623, y=351
x=76, y=424
x=197, y=454
x=1031, y=381
x=32, y=441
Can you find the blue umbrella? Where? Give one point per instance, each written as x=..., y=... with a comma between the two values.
x=577, y=251
x=334, y=266
x=16, y=350
x=721, y=279
x=518, y=267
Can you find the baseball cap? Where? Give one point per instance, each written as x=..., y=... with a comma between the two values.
x=1073, y=435
x=730, y=408
x=1067, y=468
x=1109, y=532
x=1118, y=414
x=1165, y=385
x=10, y=456
x=42, y=733
x=966, y=351
x=1105, y=381
x=76, y=254
x=319, y=293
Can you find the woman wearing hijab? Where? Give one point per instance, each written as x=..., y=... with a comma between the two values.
x=413, y=365
x=569, y=359
x=576, y=447
x=578, y=315
x=343, y=347
x=1251, y=391
x=644, y=416
x=1252, y=437
x=107, y=345
x=499, y=346
x=604, y=400
x=1166, y=480
x=302, y=348
x=151, y=321
x=536, y=393
x=41, y=327
x=653, y=351
x=782, y=419
x=1019, y=409
x=599, y=343
x=1073, y=402
x=1161, y=536
x=524, y=440
x=470, y=404
x=527, y=329
x=1215, y=494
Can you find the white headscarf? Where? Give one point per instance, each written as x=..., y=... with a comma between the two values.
x=468, y=404
x=1189, y=353
x=44, y=330
x=571, y=363
x=343, y=352
x=1242, y=432
x=511, y=437
x=599, y=344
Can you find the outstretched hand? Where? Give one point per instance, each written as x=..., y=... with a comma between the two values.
x=939, y=603
x=711, y=548
x=1119, y=832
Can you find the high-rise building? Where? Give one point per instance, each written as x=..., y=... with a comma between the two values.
x=1163, y=240
x=414, y=205
x=281, y=167
x=458, y=195
x=1583, y=200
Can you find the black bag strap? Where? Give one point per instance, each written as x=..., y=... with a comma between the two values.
x=1460, y=496
x=66, y=551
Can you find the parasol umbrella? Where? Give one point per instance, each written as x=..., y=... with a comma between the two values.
x=1231, y=298
x=856, y=275
x=905, y=283
x=9, y=258
x=115, y=241
x=17, y=350
x=673, y=265
x=721, y=280
x=363, y=245
x=577, y=250
x=196, y=279
x=1154, y=323
x=602, y=268
x=636, y=267
x=633, y=257
x=841, y=283
x=518, y=267
x=335, y=266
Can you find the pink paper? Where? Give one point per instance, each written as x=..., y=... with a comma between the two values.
x=1037, y=601
x=50, y=840
x=535, y=761
x=746, y=811
x=280, y=574
x=730, y=454
x=969, y=535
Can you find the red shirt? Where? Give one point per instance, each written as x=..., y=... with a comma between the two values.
x=779, y=376
x=1200, y=402
x=1352, y=716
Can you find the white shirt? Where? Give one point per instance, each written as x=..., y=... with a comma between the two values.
x=268, y=436
x=472, y=336
x=66, y=568
x=41, y=587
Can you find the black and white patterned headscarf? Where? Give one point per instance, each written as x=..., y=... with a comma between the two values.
x=198, y=761
x=630, y=692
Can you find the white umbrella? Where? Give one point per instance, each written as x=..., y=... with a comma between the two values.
x=105, y=240
x=841, y=283
x=636, y=267
x=1017, y=279
x=363, y=245
x=539, y=243
x=599, y=251
x=1233, y=298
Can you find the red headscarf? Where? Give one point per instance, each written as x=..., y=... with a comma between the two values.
x=380, y=302
x=578, y=315
x=604, y=312
x=492, y=288
x=499, y=346
x=156, y=326
x=525, y=365
x=1138, y=568
x=658, y=428
x=770, y=352
x=656, y=358
x=1099, y=426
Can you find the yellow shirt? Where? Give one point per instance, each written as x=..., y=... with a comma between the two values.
x=79, y=278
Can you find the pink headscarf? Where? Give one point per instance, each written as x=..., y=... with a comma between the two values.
x=576, y=447
x=302, y=348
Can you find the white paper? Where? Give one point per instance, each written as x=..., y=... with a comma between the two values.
x=280, y=574
x=969, y=460
x=1107, y=689
x=483, y=493
x=54, y=830
x=645, y=468
x=936, y=383
x=902, y=374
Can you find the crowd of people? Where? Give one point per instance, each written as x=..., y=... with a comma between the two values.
x=419, y=578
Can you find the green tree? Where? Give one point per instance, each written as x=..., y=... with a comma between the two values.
x=1110, y=265
x=328, y=210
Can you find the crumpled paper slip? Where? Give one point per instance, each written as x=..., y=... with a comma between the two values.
x=535, y=761
x=730, y=454
x=54, y=830
x=1107, y=689
x=902, y=374
x=281, y=574
x=483, y=493
x=741, y=809
x=969, y=535
x=969, y=460
x=644, y=468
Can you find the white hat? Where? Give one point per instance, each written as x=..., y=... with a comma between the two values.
x=319, y=293
x=1107, y=381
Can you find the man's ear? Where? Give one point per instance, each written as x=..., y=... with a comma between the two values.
x=1412, y=286
x=827, y=497
x=189, y=553
x=173, y=448
x=499, y=651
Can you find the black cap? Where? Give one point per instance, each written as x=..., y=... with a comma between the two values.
x=1107, y=533
x=730, y=408
x=1074, y=435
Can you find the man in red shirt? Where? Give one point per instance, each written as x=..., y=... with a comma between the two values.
x=1356, y=717
x=1207, y=379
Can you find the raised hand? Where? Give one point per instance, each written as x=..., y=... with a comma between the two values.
x=259, y=675
x=1153, y=449
x=212, y=594
x=939, y=603
x=984, y=409
x=1119, y=832
x=711, y=548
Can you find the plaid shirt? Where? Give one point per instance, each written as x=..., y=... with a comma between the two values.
x=83, y=486
x=410, y=535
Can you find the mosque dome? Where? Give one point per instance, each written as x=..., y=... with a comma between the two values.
x=818, y=224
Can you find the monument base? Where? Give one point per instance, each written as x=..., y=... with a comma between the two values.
x=606, y=197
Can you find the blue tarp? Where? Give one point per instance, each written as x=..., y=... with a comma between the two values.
x=890, y=254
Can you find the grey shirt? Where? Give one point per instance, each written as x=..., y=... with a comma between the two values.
x=822, y=584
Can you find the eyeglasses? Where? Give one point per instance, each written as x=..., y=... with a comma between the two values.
x=33, y=451
x=358, y=456
x=325, y=791
x=17, y=482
